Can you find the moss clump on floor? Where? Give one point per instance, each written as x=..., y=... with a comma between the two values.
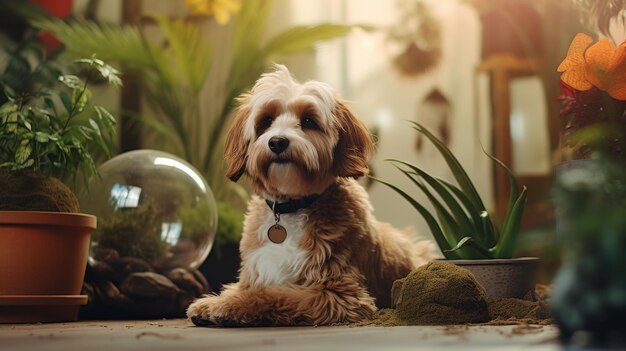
x=441, y=293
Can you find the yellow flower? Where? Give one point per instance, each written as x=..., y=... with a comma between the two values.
x=601, y=65
x=220, y=9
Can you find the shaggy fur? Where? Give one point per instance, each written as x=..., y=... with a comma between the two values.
x=338, y=262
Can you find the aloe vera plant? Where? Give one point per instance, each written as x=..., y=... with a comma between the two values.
x=461, y=224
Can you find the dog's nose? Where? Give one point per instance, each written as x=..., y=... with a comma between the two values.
x=278, y=144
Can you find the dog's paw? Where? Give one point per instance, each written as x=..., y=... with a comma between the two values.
x=202, y=311
x=200, y=322
x=219, y=311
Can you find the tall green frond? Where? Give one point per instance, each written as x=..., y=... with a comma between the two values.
x=455, y=166
x=478, y=215
x=453, y=229
x=430, y=220
x=465, y=222
x=511, y=228
x=450, y=226
x=514, y=186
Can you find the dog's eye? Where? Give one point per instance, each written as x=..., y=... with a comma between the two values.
x=264, y=123
x=309, y=123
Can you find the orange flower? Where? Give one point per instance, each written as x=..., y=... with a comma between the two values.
x=601, y=65
x=574, y=67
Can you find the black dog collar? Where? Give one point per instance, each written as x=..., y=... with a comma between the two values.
x=293, y=205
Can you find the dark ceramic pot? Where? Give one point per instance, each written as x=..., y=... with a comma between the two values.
x=503, y=278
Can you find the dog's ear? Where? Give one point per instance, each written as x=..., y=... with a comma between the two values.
x=236, y=149
x=355, y=146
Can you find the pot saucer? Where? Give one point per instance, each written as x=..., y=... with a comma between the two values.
x=40, y=308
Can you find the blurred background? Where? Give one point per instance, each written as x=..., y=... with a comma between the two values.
x=480, y=74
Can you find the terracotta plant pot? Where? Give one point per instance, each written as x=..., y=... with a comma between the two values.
x=503, y=278
x=43, y=256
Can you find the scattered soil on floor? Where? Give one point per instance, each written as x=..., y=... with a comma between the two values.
x=441, y=293
x=516, y=311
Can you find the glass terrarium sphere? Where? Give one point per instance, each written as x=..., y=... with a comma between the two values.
x=153, y=206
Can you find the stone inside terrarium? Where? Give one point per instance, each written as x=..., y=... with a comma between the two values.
x=152, y=206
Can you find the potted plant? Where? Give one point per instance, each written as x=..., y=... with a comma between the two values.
x=47, y=124
x=463, y=229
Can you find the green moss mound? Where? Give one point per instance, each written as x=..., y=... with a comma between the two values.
x=31, y=191
x=441, y=293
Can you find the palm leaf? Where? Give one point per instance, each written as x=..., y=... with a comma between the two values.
x=192, y=55
x=301, y=38
x=159, y=128
x=112, y=43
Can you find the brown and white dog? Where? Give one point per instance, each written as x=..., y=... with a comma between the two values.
x=302, y=149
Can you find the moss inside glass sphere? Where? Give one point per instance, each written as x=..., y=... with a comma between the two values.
x=153, y=206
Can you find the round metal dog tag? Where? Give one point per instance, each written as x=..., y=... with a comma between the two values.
x=277, y=233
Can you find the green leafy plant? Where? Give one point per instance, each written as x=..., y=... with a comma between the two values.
x=461, y=225
x=48, y=123
x=193, y=76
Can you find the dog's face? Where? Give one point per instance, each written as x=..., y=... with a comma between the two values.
x=294, y=140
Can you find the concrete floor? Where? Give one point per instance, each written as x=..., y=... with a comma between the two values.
x=182, y=335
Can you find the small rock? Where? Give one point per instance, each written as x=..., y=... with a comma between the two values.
x=185, y=280
x=206, y=287
x=103, y=271
x=107, y=255
x=112, y=296
x=149, y=284
x=128, y=265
